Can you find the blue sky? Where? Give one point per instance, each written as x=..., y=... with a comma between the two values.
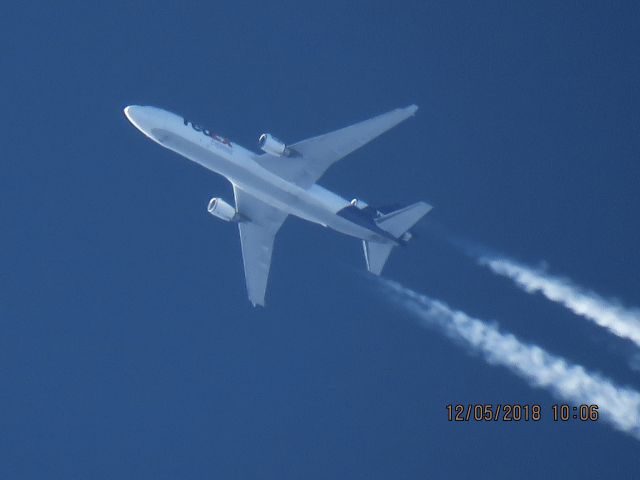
x=128, y=347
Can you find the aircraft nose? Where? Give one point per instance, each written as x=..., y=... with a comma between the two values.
x=150, y=120
x=143, y=118
x=130, y=112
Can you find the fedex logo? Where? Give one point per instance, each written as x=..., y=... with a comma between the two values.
x=208, y=133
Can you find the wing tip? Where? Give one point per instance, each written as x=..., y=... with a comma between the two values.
x=427, y=206
x=257, y=303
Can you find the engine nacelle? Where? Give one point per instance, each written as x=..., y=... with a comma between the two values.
x=272, y=145
x=361, y=204
x=221, y=209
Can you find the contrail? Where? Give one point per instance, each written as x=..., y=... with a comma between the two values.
x=618, y=319
x=620, y=406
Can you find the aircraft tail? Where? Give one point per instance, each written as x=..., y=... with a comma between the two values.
x=397, y=223
x=376, y=254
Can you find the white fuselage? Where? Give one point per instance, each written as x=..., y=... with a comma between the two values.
x=315, y=204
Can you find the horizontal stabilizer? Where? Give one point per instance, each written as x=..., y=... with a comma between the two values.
x=396, y=223
x=376, y=255
x=399, y=221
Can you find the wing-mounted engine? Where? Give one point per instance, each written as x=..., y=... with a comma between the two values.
x=273, y=146
x=221, y=209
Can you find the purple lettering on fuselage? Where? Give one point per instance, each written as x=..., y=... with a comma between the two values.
x=208, y=133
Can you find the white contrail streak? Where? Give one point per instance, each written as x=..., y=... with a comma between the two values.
x=620, y=406
x=619, y=320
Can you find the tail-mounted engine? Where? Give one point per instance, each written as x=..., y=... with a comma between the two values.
x=365, y=207
x=361, y=204
x=273, y=146
x=221, y=209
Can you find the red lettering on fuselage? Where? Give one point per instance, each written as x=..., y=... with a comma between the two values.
x=208, y=133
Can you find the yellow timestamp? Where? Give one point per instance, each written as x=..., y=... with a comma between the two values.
x=584, y=413
x=519, y=412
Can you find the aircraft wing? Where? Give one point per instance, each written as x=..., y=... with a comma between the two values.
x=312, y=157
x=258, y=227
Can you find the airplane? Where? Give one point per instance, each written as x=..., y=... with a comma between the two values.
x=280, y=182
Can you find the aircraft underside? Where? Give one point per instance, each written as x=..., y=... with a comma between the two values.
x=282, y=182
